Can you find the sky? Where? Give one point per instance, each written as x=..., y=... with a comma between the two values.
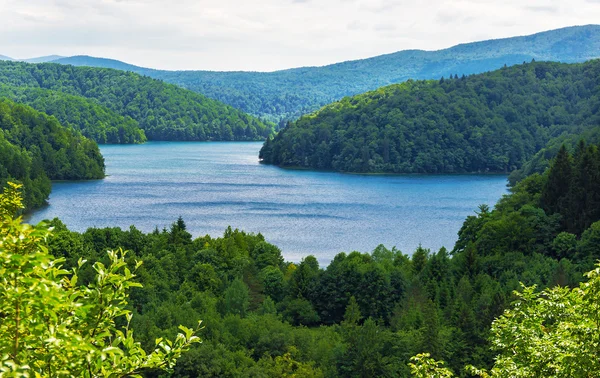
x=267, y=35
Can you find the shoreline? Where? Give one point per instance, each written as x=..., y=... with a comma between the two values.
x=299, y=168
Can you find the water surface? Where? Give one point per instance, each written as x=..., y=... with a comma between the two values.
x=214, y=185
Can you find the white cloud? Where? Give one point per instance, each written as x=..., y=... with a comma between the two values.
x=268, y=34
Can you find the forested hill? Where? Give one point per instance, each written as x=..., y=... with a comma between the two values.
x=35, y=149
x=294, y=92
x=366, y=314
x=490, y=122
x=164, y=111
x=95, y=121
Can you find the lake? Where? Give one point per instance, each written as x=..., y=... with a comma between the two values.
x=216, y=184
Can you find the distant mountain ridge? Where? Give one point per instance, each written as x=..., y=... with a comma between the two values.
x=287, y=94
x=43, y=59
x=40, y=59
x=90, y=61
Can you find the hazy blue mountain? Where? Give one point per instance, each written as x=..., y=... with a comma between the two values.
x=42, y=59
x=39, y=59
x=90, y=61
x=291, y=93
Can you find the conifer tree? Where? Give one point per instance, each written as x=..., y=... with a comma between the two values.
x=557, y=187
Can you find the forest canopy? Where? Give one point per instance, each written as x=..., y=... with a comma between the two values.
x=52, y=326
x=491, y=122
x=93, y=120
x=164, y=111
x=35, y=148
x=289, y=94
x=365, y=314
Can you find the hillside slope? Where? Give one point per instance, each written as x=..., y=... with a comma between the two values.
x=366, y=314
x=164, y=111
x=35, y=148
x=290, y=93
x=490, y=122
x=93, y=120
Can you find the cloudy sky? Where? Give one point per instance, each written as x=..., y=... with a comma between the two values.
x=265, y=35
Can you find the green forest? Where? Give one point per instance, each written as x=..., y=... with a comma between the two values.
x=491, y=122
x=365, y=314
x=36, y=148
x=515, y=296
x=291, y=93
x=163, y=111
x=93, y=120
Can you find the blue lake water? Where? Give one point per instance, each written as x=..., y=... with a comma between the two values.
x=214, y=185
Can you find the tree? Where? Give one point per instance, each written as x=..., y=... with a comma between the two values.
x=564, y=245
x=558, y=184
x=304, y=279
x=588, y=249
x=364, y=345
x=584, y=197
x=52, y=326
x=431, y=338
x=268, y=307
x=299, y=311
x=423, y=366
x=237, y=298
x=419, y=259
x=352, y=315
x=266, y=254
x=272, y=281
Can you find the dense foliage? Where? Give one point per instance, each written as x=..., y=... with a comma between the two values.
x=554, y=333
x=492, y=122
x=551, y=334
x=35, y=148
x=291, y=93
x=163, y=111
x=541, y=160
x=94, y=121
x=365, y=314
x=572, y=188
x=54, y=327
